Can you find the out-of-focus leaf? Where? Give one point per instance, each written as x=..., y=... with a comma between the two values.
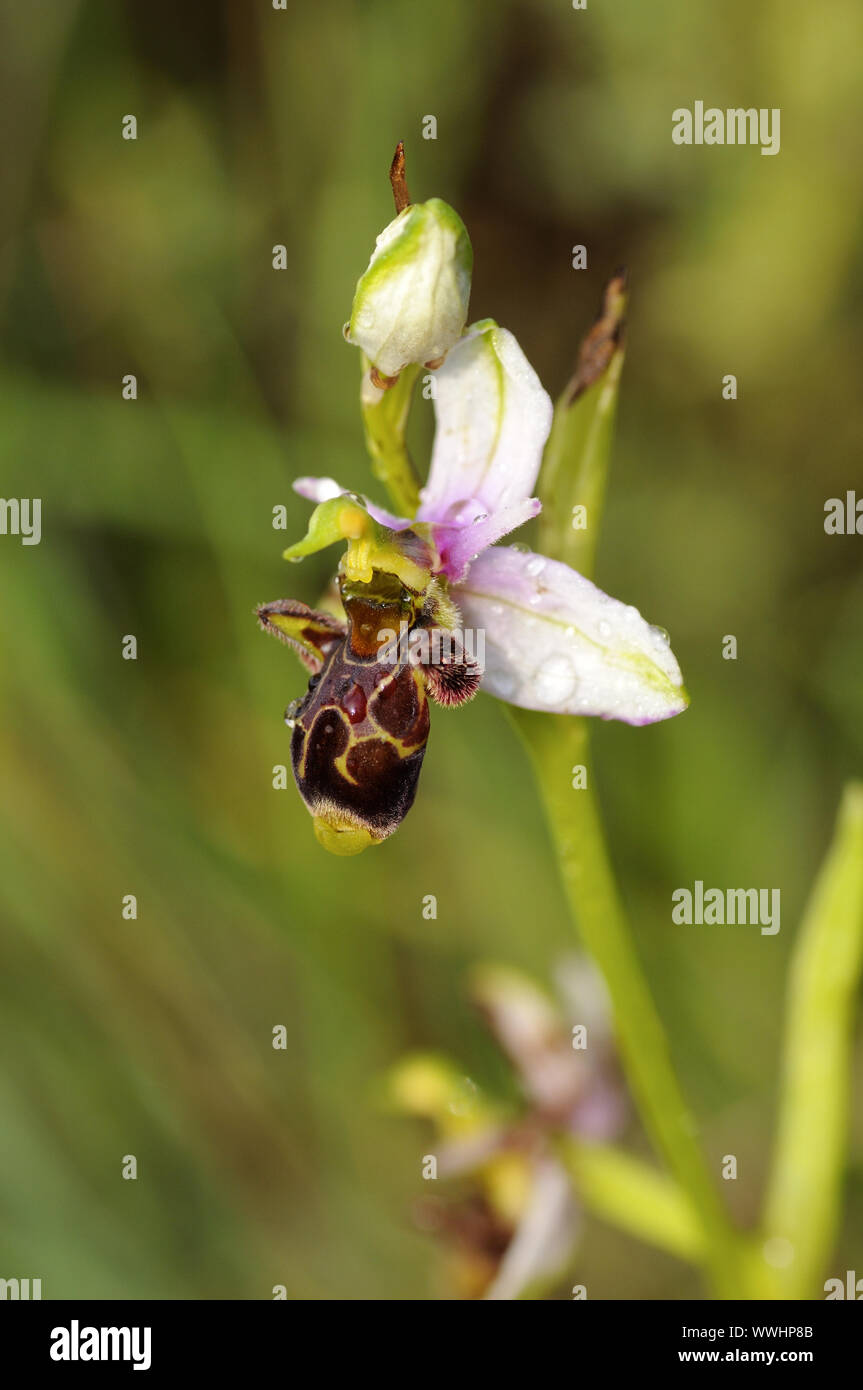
x=802, y=1208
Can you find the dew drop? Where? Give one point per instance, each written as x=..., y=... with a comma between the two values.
x=535, y=566
x=520, y=548
x=604, y=629
x=554, y=681
x=292, y=711
x=662, y=635
x=466, y=512
x=464, y=1098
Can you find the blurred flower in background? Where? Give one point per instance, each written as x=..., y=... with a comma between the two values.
x=512, y=1226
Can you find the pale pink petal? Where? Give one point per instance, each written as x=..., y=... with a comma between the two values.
x=459, y=544
x=493, y=418
x=554, y=641
x=545, y=1237
x=324, y=489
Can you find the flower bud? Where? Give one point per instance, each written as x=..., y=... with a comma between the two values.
x=411, y=303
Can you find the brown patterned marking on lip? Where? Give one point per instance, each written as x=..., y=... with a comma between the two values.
x=314, y=751
x=372, y=758
x=396, y=706
x=367, y=778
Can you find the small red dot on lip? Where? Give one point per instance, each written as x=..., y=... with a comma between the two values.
x=354, y=704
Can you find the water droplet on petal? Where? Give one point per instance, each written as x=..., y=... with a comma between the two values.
x=535, y=566
x=554, y=681
x=604, y=629
x=662, y=635
x=520, y=548
x=466, y=512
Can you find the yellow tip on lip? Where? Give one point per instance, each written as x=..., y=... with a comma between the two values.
x=342, y=839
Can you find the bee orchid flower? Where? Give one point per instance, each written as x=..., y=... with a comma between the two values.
x=524, y=628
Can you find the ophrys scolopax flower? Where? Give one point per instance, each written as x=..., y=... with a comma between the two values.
x=434, y=608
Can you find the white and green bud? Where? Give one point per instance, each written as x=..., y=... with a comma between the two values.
x=411, y=303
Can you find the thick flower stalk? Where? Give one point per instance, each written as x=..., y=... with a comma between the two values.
x=434, y=607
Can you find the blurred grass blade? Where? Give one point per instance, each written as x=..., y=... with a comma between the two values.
x=385, y=418
x=635, y=1197
x=575, y=466
x=804, y=1192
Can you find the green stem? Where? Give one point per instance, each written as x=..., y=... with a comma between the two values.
x=574, y=472
x=385, y=416
x=556, y=745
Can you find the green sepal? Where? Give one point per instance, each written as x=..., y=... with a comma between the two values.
x=409, y=555
x=575, y=464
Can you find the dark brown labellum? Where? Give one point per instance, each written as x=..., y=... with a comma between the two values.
x=360, y=736
x=360, y=731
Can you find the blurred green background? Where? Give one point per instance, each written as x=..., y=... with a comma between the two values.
x=257, y=127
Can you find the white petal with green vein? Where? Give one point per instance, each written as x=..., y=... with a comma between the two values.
x=554, y=641
x=493, y=418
